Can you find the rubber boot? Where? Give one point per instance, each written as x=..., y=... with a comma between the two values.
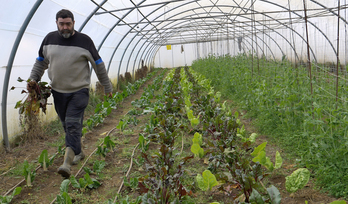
x=78, y=158
x=64, y=170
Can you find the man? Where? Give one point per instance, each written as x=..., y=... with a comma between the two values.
x=68, y=53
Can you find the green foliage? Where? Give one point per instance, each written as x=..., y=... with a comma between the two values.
x=144, y=143
x=86, y=182
x=274, y=194
x=122, y=125
x=132, y=183
x=339, y=202
x=28, y=173
x=297, y=180
x=206, y=181
x=197, y=150
x=8, y=199
x=311, y=126
x=197, y=139
x=63, y=197
x=44, y=160
x=106, y=147
x=98, y=166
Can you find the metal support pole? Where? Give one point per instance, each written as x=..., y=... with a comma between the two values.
x=8, y=71
x=308, y=53
x=338, y=49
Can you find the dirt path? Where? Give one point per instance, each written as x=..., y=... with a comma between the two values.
x=46, y=185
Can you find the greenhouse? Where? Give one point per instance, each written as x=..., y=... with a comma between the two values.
x=177, y=101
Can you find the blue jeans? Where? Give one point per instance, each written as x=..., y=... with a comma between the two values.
x=70, y=108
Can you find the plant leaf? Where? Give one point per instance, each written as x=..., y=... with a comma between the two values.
x=64, y=186
x=197, y=150
x=206, y=181
x=256, y=197
x=74, y=182
x=253, y=137
x=43, y=159
x=274, y=193
x=197, y=139
x=339, y=202
x=258, y=149
x=297, y=180
x=278, y=161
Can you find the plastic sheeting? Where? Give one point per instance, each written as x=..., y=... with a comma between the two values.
x=127, y=32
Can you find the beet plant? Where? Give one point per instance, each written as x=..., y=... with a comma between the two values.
x=36, y=97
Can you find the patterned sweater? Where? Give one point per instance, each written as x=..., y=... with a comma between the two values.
x=67, y=62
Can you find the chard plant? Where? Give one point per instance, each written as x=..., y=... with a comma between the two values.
x=196, y=145
x=206, y=181
x=8, y=199
x=29, y=173
x=63, y=197
x=122, y=125
x=132, y=183
x=108, y=145
x=259, y=155
x=83, y=183
x=98, y=166
x=144, y=143
x=44, y=160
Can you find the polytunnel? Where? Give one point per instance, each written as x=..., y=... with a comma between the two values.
x=164, y=33
x=132, y=34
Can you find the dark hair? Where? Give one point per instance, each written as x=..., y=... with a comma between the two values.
x=64, y=13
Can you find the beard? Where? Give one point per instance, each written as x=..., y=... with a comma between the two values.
x=66, y=33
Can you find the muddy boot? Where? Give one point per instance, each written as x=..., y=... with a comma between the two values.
x=64, y=170
x=78, y=158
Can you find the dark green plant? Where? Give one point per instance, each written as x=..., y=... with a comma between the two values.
x=44, y=160
x=8, y=199
x=29, y=173
x=63, y=197
x=98, y=166
x=83, y=183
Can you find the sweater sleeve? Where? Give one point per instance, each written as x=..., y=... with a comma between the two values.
x=40, y=65
x=100, y=70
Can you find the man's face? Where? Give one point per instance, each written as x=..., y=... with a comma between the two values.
x=65, y=27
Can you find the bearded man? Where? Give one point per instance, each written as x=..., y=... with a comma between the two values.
x=66, y=55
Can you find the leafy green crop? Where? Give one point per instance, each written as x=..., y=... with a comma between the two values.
x=206, y=181
x=63, y=197
x=8, y=199
x=44, y=160
x=297, y=180
x=28, y=173
x=86, y=182
x=259, y=155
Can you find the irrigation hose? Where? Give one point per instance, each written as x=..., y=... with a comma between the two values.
x=15, y=186
x=130, y=167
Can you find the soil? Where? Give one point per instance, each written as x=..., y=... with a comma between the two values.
x=46, y=185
